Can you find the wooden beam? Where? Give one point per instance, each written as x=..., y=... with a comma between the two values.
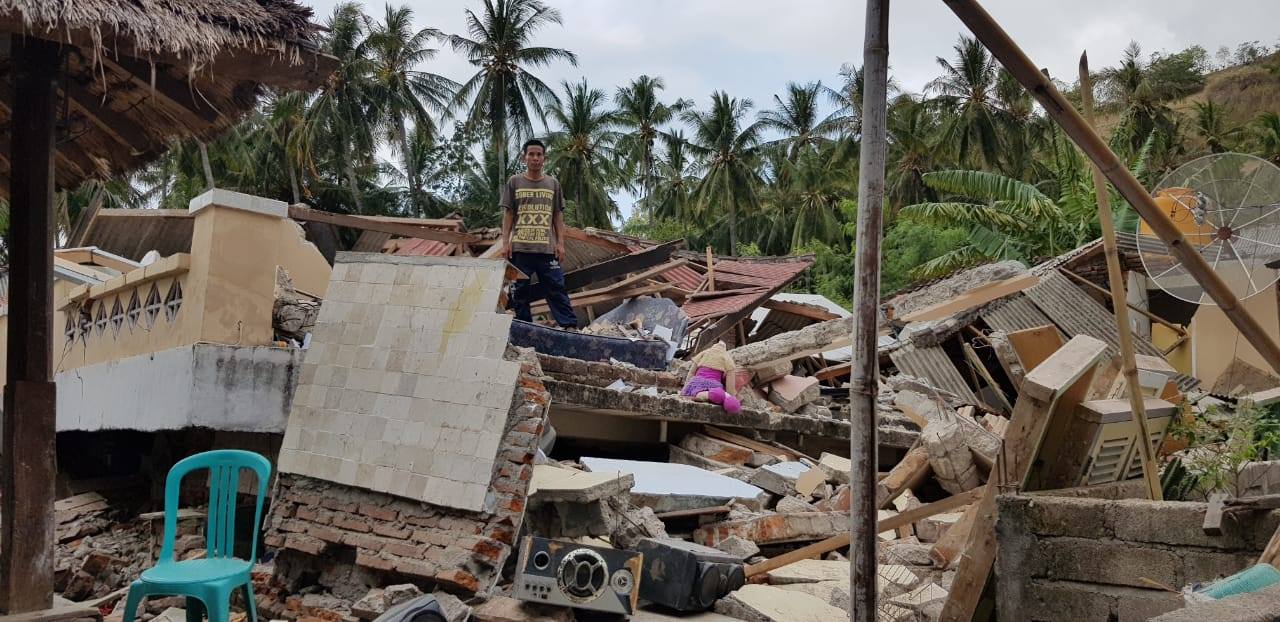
x=818, y=314
x=115, y=125
x=27, y=466
x=1145, y=313
x=986, y=30
x=1212, y=524
x=835, y=371
x=839, y=541
x=306, y=214
x=910, y=472
x=620, y=266
x=585, y=299
x=752, y=444
x=178, y=98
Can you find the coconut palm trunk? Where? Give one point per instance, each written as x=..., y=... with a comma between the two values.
x=204, y=164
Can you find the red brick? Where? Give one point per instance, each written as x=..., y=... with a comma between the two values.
x=336, y=504
x=273, y=540
x=421, y=521
x=293, y=526
x=529, y=426
x=459, y=579
x=305, y=544
x=502, y=535
x=440, y=538
x=307, y=498
x=378, y=512
x=369, y=560
x=363, y=541
x=488, y=551
x=507, y=486
x=307, y=513
x=416, y=568
x=328, y=534
x=351, y=523
x=390, y=531
x=526, y=473
x=516, y=506
x=404, y=549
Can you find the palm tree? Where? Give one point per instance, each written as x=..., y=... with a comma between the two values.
x=642, y=113
x=582, y=153
x=1266, y=134
x=674, y=181
x=798, y=119
x=808, y=194
x=913, y=127
x=847, y=117
x=339, y=121
x=402, y=92
x=727, y=150
x=966, y=89
x=503, y=92
x=1213, y=125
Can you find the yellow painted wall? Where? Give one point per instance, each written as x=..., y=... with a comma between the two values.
x=228, y=291
x=1162, y=337
x=1217, y=342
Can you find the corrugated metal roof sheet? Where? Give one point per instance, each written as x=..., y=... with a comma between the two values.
x=934, y=366
x=715, y=307
x=422, y=248
x=130, y=233
x=1076, y=313
x=1014, y=314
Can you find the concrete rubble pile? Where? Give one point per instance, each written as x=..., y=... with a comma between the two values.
x=427, y=456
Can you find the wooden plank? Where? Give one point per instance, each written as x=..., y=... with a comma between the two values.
x=583, y=299
x=948, y=548
x=972, y=298
x=719, y=509
x=56, y=614
x=1067, y=371
x=813, y=313
x=1271, y=554
x=752, y=444
x=910, y=472
x=835, y=371
x=839, y=541
x=619, y=266
x=306, y=214
x=178, y=98
x=1212, y=524
x=1034, y=345
x=78, y=501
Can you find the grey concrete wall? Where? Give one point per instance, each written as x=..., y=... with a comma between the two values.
x=1093, y=559
x=221, y=387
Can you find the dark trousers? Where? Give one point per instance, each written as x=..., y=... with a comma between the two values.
x=551, y=278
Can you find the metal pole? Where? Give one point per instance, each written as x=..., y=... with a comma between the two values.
x=1120, y=302
x=27, y=465
x=864, y=383
x=985, y=28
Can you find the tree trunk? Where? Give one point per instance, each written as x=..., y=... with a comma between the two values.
x=499, y=121
x=350, y=168
x=204, y=163
x=415, y=191
x=733, y=214
x=293, y=179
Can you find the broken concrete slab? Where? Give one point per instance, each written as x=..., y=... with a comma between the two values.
x=775, y=528
x=554, y=483
x=738, y=547
x=809, y=571
x=787, y=505
x=836, y=468
x=810, y=480
x=921, y=409
x=679, y=455
x=834, y=593
x=666, y=487
x=780, y=478
x=765, y=603
x=716, y=449
x=923, y=599
x=792, y=392
x=840, y=501
x=454, y=609
x=932, y=528
x=772, y=371
x=379, y=600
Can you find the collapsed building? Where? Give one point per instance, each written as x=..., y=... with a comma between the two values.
x=424, y=441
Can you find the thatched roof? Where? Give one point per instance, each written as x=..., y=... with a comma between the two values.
x=138, y=73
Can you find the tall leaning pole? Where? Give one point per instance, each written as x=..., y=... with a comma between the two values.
x=864, y=379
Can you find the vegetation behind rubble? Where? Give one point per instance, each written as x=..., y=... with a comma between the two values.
x=1220, y=443
x=975, y=171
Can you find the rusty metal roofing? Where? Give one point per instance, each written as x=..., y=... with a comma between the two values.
x=932, y=365
x=704, y=308
x=420, y=248
x=1076, y=313
x=1015, y=313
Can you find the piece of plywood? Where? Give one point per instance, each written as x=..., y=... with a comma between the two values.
x=1034, y=345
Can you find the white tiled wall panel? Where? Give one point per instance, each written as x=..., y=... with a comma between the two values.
x=404, y=389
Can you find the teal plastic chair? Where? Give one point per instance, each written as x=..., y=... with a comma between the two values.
x=207, y=583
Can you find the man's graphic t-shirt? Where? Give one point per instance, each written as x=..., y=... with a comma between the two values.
x=535, y=204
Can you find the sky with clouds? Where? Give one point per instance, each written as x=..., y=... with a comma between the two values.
x=753, y=48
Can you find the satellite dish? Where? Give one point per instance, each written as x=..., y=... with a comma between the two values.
x=1227, y=205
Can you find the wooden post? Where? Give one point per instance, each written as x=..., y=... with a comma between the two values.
x=711, y=272
x=985, y=28
x=866, y=294
x=1120, y=302
x=27, y=466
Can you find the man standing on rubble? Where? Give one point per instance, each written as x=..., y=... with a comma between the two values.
x=533, y=235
